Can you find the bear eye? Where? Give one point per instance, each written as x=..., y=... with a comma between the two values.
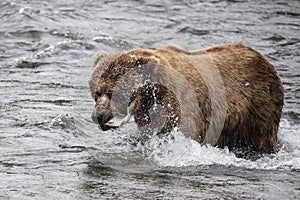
x=97, y=95
x=109, y=93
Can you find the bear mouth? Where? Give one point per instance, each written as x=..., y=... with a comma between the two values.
x=117, y=120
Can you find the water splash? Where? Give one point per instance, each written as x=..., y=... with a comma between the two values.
x=179, y=151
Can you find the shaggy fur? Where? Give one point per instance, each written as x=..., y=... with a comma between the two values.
x=253, y=90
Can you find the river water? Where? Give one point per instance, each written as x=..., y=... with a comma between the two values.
x=48, y=150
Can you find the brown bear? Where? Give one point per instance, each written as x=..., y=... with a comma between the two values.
x=227, y=95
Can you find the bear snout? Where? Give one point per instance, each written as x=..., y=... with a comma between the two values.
x=97, y=117
x=101, y=118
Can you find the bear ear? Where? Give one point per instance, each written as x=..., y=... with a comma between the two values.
x=174, y=48
x=100, y=56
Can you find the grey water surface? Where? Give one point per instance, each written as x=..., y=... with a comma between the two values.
x=49, y=151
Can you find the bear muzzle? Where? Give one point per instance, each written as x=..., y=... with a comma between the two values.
x=97, y=117
x=101, y=118
x=107, y=121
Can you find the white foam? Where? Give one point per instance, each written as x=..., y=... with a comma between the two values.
x=181, y=151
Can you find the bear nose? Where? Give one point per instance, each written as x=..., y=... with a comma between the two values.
x=97, y=117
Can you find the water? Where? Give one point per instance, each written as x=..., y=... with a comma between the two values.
x=48, y=150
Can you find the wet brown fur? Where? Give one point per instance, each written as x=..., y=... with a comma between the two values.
x=254, y=92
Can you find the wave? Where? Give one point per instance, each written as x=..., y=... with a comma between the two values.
x=179, y=151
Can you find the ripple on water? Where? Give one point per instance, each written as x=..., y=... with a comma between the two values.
x=30, y=64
